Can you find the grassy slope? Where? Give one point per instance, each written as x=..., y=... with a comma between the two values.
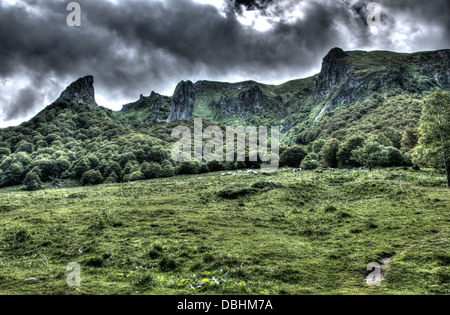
x=177, y=235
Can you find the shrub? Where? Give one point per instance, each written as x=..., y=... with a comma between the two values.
x=167, y=171
x=215, y=166
x=309, y=164
x=136, y=176
x=92, y=177
x=151, y=170
x=32, y=181
x=329, y=153
x=293, y=156
x=188, y=167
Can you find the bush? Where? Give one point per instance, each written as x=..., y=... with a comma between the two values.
x=167, y=171
x=151, y=170
x=136, y=176
x=329, y=153
x=32, y=181
x=188, y=167
x=395, y=157
x=293, y=156
x=215, y=166
x=92, y=177
x=309, y=164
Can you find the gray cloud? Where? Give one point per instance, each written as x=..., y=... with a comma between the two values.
x=136, y=46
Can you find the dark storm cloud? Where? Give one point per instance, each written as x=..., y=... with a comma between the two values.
x=240, y=5
x=133, y=47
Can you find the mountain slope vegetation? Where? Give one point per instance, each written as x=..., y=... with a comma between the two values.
x=368, y=94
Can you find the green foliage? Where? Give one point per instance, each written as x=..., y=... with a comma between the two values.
x=434, y=141
x=293, y=156
x=80, y=167
x=167, y=171
x=371, y=154
x=151, y=170
x=345, y=149
x=333, y=218
x=32, y=181
x=309, y=164
x=188, y=167
x=410, y=139
x=381, y=139
x=12, y=175
x=329, y=153
x=318, y=145
x=394, y=157
x=215, y=166
x=92, y=177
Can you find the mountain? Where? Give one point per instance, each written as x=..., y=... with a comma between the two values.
x=80, y=91
x=351, y=86
x=376, y=93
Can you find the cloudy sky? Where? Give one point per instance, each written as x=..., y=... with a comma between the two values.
x=134, y=47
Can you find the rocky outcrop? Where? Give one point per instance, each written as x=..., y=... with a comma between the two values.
x=80, y=91
x=436, y=66
x=205, y=87
x=334, y=73
x=156, y=103
x=183, y=100
x=248, y=103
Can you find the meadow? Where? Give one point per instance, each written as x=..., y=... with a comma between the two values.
x=278, y=233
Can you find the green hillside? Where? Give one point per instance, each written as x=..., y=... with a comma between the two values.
x=83, y=184
x=280, y=234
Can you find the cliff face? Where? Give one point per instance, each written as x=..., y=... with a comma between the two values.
x=183, y=100
x=158, y=105
x=334, y=73
x=436, y=65
x=351, y=77
x=80, y=91
x=247, y=103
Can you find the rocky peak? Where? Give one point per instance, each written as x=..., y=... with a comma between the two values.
x=80, y=91
x=183, y=100
x=334, y=73
x=436, y=65
x=247, y=104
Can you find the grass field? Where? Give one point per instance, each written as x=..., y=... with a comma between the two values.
x=281, y=233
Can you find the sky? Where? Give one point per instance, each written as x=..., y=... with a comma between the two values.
x=135, y=47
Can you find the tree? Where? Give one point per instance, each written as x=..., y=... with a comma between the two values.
x=293, y=156
x=434, y=141
x=309, y=163
x=318, y=145
x=24, y=146
x=395, y=157
x=188, y=167
x=329, y=153
x=92, y=177
x=215, y=166
x=32, y=181
x=168, y=171
x=151, y=170
x=410, y=139
x=381, y=139
x=80, y=167
x=345, y=149
x=4, y=152
x=370, y=154
x=12, y=175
